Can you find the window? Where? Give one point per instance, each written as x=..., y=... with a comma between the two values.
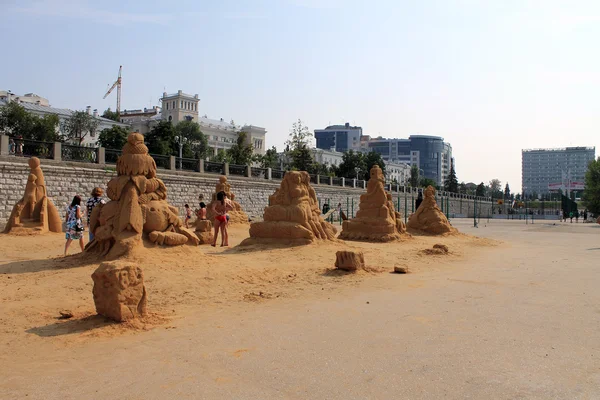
x=173, y=104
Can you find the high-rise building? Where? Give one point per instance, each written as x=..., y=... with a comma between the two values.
x=339, y=138
x=547, y=170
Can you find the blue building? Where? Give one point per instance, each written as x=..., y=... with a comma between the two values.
x=339, y=138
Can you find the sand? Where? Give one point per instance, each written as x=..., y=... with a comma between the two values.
x=252, y=323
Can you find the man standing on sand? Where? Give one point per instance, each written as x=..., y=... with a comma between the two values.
x=571, y=216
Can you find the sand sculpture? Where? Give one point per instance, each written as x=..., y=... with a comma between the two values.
x=429, y=218
x=349, y=260
x=204, y=231
x=35, y=212
x=293, y=214
x=376, y=219
x=138, y=209
x=237, y=215
x=119, y=291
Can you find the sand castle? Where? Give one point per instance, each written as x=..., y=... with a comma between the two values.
x=119, y=291
x=35, y=212
x=376, y=219
x=138, y=208
x=429, y=218
x=204, y=231
x=237, y=215
x=293, y=214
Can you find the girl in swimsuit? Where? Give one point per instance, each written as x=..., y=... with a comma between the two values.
x=220, y=208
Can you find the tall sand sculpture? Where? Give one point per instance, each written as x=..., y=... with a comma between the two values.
x=376, y=219
x=293, y=215
x=429, y=218
x=35, y=212
x=139, y=207
x=237, y=215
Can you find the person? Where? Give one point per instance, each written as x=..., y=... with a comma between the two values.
x=585, y=216
x=577, y=216
x=19, y=146
x=11, y=147
x=419, y=200
x=188, y=215
x=565, y=215
x=220, y=208
x=90, y=204
x=74, y=225
x=201, y=213
x=571, y=216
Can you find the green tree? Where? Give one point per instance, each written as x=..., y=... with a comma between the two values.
x=79, y=125
x=591, y=193
x=353, y=165
x=462, y=188
x=269, y=160
x=195, y=143
x=15, y=120
x=221, y=157
x=297, y=147
x=113, y=138
x=241, y=152
x=496, y=188
x=114, y=115
x=425, y=182
x=413, y=181
x=507, y=191
x=451, y=183
x=480, y=191
x=370, y=159
x=161, y=139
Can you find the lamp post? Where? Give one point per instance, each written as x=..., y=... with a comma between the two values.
x=180, y=151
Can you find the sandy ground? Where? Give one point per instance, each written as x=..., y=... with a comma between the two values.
x=511, y=315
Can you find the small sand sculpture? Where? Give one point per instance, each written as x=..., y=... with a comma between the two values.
x=438, y=249
x=139, y=206
x=349, y=260
x=237, y=215
x=35, y=212
x=376, y=219
x=429, y=218
x=119, y=291
x=204, y=231
x=293, y=214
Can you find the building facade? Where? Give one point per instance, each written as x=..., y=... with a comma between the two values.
x=141, y=120
x=397, y=172
x=339, y=138
x=547, y=170
x=27, y=98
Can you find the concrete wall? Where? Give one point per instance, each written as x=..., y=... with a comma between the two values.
x=64, y=180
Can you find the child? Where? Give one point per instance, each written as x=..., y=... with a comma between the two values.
x=188, y=215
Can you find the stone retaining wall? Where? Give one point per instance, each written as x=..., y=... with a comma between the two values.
x=64, y=180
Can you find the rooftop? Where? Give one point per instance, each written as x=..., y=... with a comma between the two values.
x=578, y=148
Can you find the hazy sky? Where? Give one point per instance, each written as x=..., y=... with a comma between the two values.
x=491, y=77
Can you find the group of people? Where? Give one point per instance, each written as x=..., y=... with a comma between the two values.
x=575, y=215
x=74, y=215
x=220, y=209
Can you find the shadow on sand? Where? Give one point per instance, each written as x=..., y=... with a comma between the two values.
x=48, y=264
x=70, y=326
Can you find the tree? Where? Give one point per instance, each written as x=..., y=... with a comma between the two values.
x=79, y=125
x=241, y=152
x=480, y=191
x=353, y=165
x=507, y=191
x=496, y=188
x=297, y=147
x=370, y=159
x=161, y=139
x=591, y=193
x=15, y=120
x=425, y=182
x=414, y=176
x=195, y=144
x=113, y=138
x=451, y=183
x=462, y=188
x=221, y=157
x=269, y=160
x=108, y=114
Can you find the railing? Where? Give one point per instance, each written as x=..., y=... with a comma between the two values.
x=162, y=161
x=277, y=174
x=31, y=148
x=213, y=167
x=338, y=182
x=187, y=164
x=237, y=169
x=313, y=179
x=258, y=172
x=71, y=152
x=360, y=183
x=112, y=155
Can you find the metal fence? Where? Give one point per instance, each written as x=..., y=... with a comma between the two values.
x=187, y=164
x=31, y=148
x=71, y=152
x=277, y=174
x=237, y=169
x=313, y=179
x=213, y=167
x=258, y=172
x=162, y=161
x=111, y=156
x=338, y=182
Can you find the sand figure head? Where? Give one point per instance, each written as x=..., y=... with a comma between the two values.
x=34, y=162
x=376, y=173
x=222, y=179
x=430, y=192
x=135, y=159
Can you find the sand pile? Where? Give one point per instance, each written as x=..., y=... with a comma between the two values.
x=35, y=212
x=293, y=215
x=138, y=209
x=237, y=215
x=429, y=218
x=204, y=231
x=438, y=249
x=376, y=219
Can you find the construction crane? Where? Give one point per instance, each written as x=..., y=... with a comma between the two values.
x=117, y=84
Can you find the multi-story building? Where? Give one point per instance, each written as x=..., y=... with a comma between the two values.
x=397, y=172
x=341, y=138
x=546, y=170
x=27, y=98
x=141, y=120
x=327, y=157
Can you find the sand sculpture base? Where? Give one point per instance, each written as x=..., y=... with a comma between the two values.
x=204, y=231
x=119, y=291
x=237, y=215
x=293, y=216
x=376, y=219
x=429, y=218
x=349, y=260
x=35, y=212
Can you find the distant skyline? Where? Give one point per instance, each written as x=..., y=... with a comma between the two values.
x=491, y=78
